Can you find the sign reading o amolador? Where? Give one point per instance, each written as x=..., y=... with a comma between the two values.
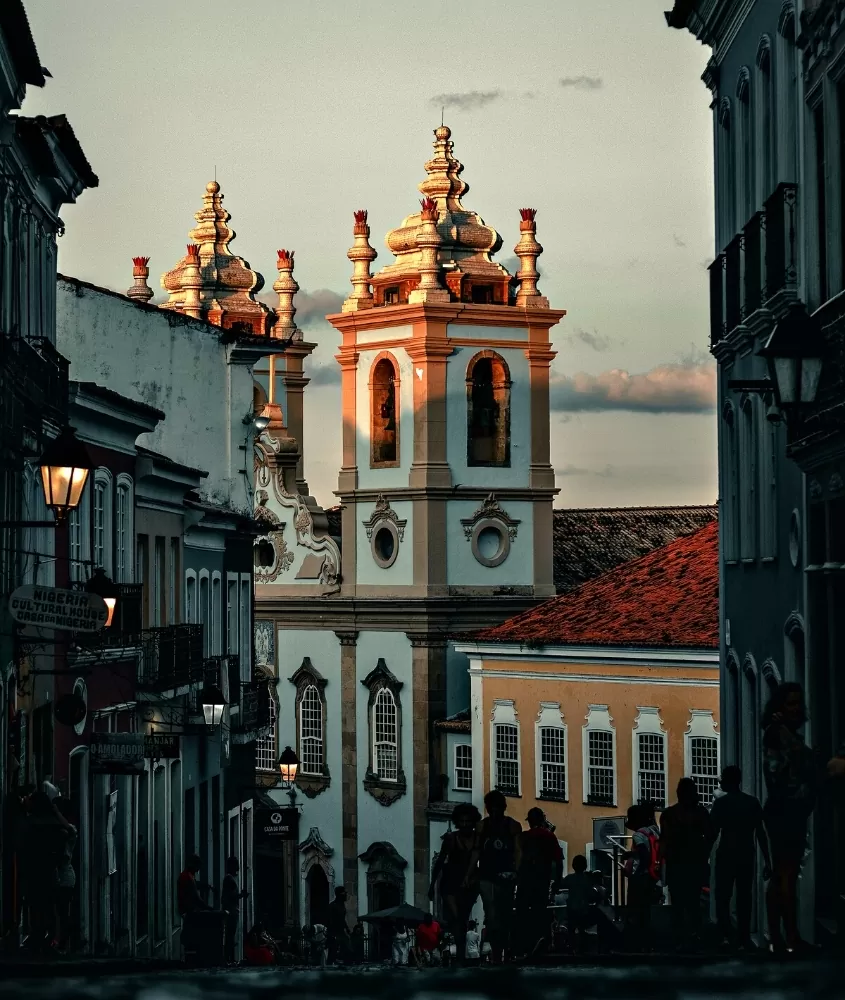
x=49, y=607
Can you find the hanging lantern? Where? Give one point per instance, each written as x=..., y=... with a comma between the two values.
x=288, y=764
x=65, y=465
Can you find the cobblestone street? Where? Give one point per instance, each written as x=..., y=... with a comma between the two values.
x=758, y=980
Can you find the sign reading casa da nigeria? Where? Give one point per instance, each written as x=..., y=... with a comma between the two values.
x=49, y=607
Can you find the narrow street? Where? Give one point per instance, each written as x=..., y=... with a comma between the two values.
x=757, y=980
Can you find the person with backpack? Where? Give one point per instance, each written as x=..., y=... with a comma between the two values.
x=686, y=839
x=456, y=868
x=540, y=867
x=642, y=870
x=499, y=859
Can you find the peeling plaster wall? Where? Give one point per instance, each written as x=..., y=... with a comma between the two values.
x=178, y=366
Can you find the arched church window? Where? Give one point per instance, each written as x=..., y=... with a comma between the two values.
x=265, y=554
x=488, y=410
x=384, y=417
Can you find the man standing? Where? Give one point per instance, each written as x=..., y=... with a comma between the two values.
x=189, y=902
x=230, y=900
x=737, y=820
x=338, y=928
x=540, y=866
x=499, y=858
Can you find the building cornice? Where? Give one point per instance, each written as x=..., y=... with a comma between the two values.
x=462, y=313
x=589, y=655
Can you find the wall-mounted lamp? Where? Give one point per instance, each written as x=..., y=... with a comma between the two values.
x=102, y=586
x=258, y=421
x=213, y=703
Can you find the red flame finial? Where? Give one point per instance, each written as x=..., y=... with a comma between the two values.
x=193, y=250
x=140, y=261
x=528, y=214
x=285, y=258
x=360, y=215
x=429, y=209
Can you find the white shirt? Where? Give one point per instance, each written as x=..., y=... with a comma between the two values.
x=473, y=944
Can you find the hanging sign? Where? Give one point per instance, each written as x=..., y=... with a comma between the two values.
x=278, y=824
x=116, y=753
x=50, y=607
x=161, y=746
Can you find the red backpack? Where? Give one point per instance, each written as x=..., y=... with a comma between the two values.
x=653, y=855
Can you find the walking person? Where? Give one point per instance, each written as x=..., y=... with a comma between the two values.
x=230, y=901
x=316, y=936
x=499, y=859
x=456, y=868
x=338, y=928
x=65, y=875
x=540, y=867
x=686, y=839
x=789, y=772
x=43, y=850
x=401, y=945
x=737, y=820
x=642, y=870
x=473, y=944
x=582, y=899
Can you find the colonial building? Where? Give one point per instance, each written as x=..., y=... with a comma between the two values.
x=600, y=698
x=42, y=168
x=775, y=76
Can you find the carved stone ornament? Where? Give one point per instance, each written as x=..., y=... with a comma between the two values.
x=490, y=532
x=265, y=646
x=384, y=512
x=836, y=484
x=315, y=842
x=272, y=556
x=815, y=489
x=491, y=509
x=315, y=851
x=385, y=863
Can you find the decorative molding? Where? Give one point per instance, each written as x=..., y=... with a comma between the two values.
x=384, y=512
x=492, y=510
x=380, y=676
x=264, y=637
x=347, y=638
x=306, y=675
x=430, y=640
x=385, y=792
x=314, y=842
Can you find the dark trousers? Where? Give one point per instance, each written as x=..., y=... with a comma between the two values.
x=639, y=901
x=230, y=936
x=684, y=882
x=734, y=872
x=533, y=916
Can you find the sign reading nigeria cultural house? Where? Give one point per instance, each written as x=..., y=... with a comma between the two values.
x=117, y=753
x=50, y=607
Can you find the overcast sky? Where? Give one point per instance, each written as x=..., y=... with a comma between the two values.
x=594, y=113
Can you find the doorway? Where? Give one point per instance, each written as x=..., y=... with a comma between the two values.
x=383, y=896
x=317, y=885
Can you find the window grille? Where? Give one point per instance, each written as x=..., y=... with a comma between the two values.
x=552, y=761
x=507, y=759
x=704, y=766
x=265, y=750
x=463, y=767
x=311, y=731
x=651, y=768
x=600, y=767
x=385, y=737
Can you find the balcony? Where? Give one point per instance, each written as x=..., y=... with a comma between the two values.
x=171, y=657
x=33, y=386
x=757, y=265
x=254, y=719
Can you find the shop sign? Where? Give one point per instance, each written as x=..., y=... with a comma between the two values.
x=161, y=746
x=50, y=607
x=276, y=825
x=117, y=753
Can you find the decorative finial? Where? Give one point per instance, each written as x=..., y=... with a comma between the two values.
x=362, y=255
x=192, y=282
x=528, y=250
x=140, y=291
x=286, y=287
x=428, y=244
x=193, y=250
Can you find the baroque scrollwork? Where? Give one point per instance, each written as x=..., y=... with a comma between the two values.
x=384, y=512
x=490, y=510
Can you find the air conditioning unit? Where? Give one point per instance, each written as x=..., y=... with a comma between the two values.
x=605, y=827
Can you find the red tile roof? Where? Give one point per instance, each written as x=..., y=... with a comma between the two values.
x=667, y=598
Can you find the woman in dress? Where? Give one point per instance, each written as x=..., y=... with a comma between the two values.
x=789, y=771
x=401, y=944
x=457, y=869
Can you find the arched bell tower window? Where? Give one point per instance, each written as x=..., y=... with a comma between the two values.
x=384, y=412
x=488, y=411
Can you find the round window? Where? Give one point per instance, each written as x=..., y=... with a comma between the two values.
x=385, y=544
x=265, y=554
x=490, y=543
x=795, y=537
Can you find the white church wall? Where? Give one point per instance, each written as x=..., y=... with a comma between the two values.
x=387, y=478
x=456, y=416
x=175, y=364
x=368, y=571
x=393, y=823
x=457, y=681
x=324, y=811
x=464, y=570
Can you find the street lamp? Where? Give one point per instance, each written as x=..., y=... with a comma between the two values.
x=213, y=703
x=288, y=763
x=65, y=465
x=102, y=586
x=794, y=353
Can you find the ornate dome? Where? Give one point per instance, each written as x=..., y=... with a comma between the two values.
x=227, y=283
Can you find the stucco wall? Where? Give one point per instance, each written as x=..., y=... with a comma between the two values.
x=464, y=570
x=178, y=367
x=401, y=573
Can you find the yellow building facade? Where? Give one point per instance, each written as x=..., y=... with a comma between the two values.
x=604, y=697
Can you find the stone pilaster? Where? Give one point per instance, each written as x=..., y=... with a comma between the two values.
x=348, y=873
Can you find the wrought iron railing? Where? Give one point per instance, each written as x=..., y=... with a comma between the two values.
x=781, y=239
x=753, y=271
x=171, y=657
x=733, y=285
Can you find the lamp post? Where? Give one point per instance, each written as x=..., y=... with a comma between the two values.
x=794, y=354
x=288, y=765
x=102, y=586
x=65, y=466
x=213, y=703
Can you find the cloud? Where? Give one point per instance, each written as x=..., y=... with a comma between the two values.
x=311, y=307
x=590, y=338
x=670, y=388
x=678, y=241
x=324, y=374
x=582, y=82
x=575, y=470
x=467, y=101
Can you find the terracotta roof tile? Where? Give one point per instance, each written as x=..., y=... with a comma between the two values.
x=668, y=598
x=591, y=541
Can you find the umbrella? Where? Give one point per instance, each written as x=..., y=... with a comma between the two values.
x=404, y=912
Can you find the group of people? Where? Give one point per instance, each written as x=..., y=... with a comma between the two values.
x=46, y=841
x=676, y=854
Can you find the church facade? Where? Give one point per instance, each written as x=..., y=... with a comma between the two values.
x=444, y=526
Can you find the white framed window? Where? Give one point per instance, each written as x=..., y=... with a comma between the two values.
x=102, y=521
x=768, y=489
x=79, y=529
x=246, y=627
x=216, y=615
x=385, y=736
x=173, y=576
x=787, y=77
x=746, y=146
x=504, y=744
x=158, y=614
x=599, y=757
x=232, y=638
x=749, y=485
x=124, y=528
x=311, y=731
x=764, y=112
x=550, y=752
x=204, y=609
x=463, y=767
x=191, y=597
x=702, y=760
x=650, y=756
x=726, y=174
x=266, y=751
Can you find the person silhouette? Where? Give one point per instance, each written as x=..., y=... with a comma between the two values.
x=737, y=820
